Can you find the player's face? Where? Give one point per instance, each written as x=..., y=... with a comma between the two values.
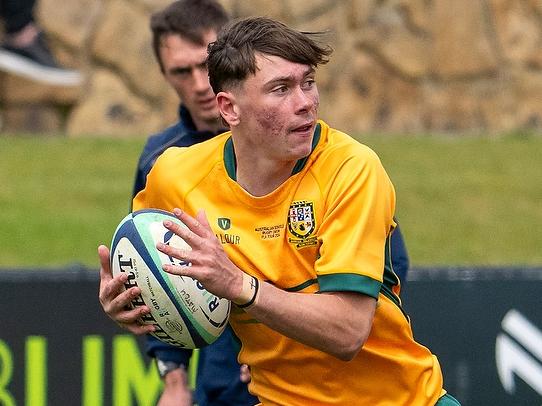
x=185, y=70
x=278, y=108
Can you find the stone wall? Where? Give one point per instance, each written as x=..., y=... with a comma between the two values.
x=404, y=66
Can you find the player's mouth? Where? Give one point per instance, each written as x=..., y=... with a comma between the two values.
x=304, y=129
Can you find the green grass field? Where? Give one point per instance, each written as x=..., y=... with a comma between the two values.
x=468, y=200
x=460, y=200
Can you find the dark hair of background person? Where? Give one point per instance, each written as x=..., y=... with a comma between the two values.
x=191, y=19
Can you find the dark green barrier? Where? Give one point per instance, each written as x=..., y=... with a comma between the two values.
x=485, y=326
x=57, y=347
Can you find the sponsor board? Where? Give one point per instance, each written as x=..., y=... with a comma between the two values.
x=484, y=325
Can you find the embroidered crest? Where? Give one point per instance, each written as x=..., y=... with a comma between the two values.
x=301, y=218
x=301, y=223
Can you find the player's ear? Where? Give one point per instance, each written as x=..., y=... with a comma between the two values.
x=228, y=108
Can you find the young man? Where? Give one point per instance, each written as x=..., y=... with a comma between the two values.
x=311, y=211
x=180, y=35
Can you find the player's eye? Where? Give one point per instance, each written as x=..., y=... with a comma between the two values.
x=309, y=83
x=280, y=89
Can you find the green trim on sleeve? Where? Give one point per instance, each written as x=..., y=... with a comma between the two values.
x=349, y=282
x=302, y=286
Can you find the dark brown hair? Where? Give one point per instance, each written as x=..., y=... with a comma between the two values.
x=232, y=56
x=191, y=19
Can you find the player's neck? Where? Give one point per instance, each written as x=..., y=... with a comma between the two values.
x=261, y=176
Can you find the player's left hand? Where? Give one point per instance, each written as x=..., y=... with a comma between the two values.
x=210, y=264
x=115, y=300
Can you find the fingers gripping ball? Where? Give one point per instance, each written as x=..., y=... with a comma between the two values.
x=183, y=312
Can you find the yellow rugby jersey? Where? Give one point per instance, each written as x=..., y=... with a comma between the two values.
x=325, y=229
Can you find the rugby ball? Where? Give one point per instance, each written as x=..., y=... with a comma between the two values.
x=183, y=312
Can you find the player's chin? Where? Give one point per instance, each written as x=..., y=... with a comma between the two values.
x=302, y=148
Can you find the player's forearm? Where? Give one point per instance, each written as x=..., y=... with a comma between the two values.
x=337, y=323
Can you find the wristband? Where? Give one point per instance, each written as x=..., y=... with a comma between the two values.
x=249, y=291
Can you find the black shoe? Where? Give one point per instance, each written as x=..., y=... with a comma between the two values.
x=36, y=62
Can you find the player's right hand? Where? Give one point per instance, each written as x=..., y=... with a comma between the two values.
x=115, y=299
x=209, y=263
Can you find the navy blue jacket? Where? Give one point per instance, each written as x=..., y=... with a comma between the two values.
x=399, y=255
x=217, y=381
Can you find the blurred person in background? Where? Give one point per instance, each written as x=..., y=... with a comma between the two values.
x=180, y=35
x=24, y=50
x=399, y=256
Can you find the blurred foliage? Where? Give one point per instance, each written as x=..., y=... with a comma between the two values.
x=467, y=200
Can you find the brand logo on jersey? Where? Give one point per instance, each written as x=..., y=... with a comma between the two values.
x=224, y=223
x=225, y=238
x=301, y=223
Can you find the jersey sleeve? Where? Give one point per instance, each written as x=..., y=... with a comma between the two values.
x=158, y=192
x=360, y=204
x=155, y=145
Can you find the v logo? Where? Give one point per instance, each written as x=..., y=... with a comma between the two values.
x=224, y=223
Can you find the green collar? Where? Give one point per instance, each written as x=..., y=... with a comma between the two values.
x=231, y=164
